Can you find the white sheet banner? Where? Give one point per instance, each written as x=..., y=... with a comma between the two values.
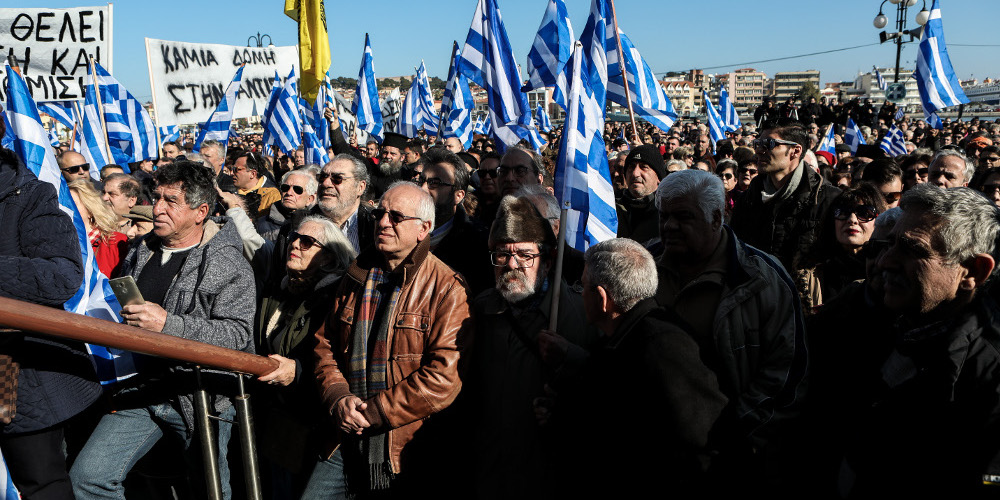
x=189, y=79
x=53, y=47
x=391, y=107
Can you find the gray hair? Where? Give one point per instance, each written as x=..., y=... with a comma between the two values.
x=970, y=167
x=360, y=169
x=311, y=168
x=969, y=223
x=311, y=184
x=888, y=219
x=624, y=268
x=536, y=159
x=195, y=157
x=333, y=240
x=212, y=143
x=681, y=163
x=425, y=204
x=706, y=188
x=537, y=192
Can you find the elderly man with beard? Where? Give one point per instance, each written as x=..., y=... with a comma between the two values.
x=342, y=183
x=515, y=358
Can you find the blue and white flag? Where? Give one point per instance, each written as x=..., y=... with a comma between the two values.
x=170, y=133
x=716, y=127
x=7, y=488
x=479, y=127
x=429, y=115
x=933, y=119
x=649, y=100
x=281, y=117
x=730, y=118
x=936, y=78
x=95, y=297
x=582, y=178
x=544, y=123
x=457, y=104
x=853, y=136
x=551, y=48
x=217, y=126
x=900, y=114
x=366, y=105
x=487, y=60
x=61, y=111
x=488, y=124
x=313, y=147
x=410, y=117
x=7, y=141
x=894, y=144
x=94, y=146
x=621, y=135
x=879, y=80
x=131, y=136
x=829, y=143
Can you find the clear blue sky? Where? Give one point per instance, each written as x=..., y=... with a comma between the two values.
x=671, y=34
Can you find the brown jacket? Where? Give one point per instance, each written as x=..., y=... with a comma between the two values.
x=430, y=328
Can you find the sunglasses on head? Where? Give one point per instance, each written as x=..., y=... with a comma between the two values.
x=864, y=213
x=76, y=168
x=334, y=178
x=305, y=241
x=394, y=216
x=297, y=189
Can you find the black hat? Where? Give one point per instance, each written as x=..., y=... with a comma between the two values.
x=469, y=160
x=842, y=148
x=650, y=155
x=618, y=142
x=395, y=140
x=870, y=151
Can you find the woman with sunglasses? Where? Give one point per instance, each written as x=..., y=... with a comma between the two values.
x=838, y=261
x=726, y=170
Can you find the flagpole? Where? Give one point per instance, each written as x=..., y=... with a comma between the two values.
x=76, y=123
x=621, y=64
x=100, y=108
x=557, y=281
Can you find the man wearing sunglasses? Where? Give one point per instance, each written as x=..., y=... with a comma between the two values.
x=252, y=185
x=388, y=358
x=342, y=183
x=780, y=212
x=298, y=192
x=74, y=166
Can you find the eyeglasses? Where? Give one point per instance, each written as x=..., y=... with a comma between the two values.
x=522, y=258
x=297, y=189
x=769, y=143
x=483, y=173
x=992, y=159
x=305, y=241
x=395, y=217
x=334, y=178
x=519, y=171
x=922, y=172
x=76, y=168
x=893, y=197
x=432, y=182
x=865, y=213
x=727, y=176
x=751, y=171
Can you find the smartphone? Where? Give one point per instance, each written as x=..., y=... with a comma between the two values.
x=126, y=291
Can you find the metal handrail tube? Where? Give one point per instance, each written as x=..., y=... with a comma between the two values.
x=58, y=323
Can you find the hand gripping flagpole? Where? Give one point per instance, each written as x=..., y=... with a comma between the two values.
x=621, y=64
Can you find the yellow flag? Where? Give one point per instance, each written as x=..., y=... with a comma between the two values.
x=314, y=44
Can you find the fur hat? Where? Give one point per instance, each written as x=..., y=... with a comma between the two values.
x=649, y=155
x=518, y=221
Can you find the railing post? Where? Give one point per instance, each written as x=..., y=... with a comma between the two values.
x=251, y=470
x=203, y=426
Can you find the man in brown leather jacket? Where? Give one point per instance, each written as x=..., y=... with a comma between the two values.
x=388, y=355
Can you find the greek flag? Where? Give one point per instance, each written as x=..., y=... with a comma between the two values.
x=169, y=133
x=881, y=81
x=730, y=118
x=131, y=136
x=7, y=141
x=480, y=126
x=61, y=111
x=488, y=60
x=551, y=49
x=829, y=144
x=410, y=117
x=428, y=114
x=933, y=119
x=95, y=142
x=900, y=114
x=716, y=127
x=583, y=179
x=649, y=100
x=366, y=106
x=7, y=488
x=313, y=147
x=457, y=104
x=217, y=126
x=544, y=124
x=312, y=116
x=893, y=143
x=281, y=120
x=936, y=79
x=853, y=137
x=53, y=137
x=95, y=298
x=488, y=124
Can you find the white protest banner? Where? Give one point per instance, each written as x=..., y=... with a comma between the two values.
x=53, y=47
x=391, y=107
x=189, y=79
x=349, y=121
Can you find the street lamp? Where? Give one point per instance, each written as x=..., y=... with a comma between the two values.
x=901, y=6
x=259, y=40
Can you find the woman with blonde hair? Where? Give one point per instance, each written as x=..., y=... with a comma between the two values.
x=110, y=246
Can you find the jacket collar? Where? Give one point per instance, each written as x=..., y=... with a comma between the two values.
x=735, y=255
x=629, y=320
x=371, y=257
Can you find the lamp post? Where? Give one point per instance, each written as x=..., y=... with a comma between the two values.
x=259, y=40
x=901, y=7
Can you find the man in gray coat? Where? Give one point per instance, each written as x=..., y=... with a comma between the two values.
x=195, y=283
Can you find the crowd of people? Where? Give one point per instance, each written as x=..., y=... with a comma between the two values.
x=771, y=319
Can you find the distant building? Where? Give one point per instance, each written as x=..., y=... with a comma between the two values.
x=746, y=88
x=987, y=92
x=682, y=96
x=867, y=84
x=788, y=83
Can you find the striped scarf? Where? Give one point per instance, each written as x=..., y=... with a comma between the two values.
x=367, y=376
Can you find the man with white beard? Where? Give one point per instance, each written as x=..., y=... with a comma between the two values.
x=515, y=357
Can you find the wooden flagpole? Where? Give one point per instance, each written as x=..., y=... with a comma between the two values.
x=621, y=64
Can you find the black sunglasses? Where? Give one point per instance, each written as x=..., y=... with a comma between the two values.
x=483, y=173
x=297, y=189
x=334, y=178
x=76, y=168
x=305, y=241
x=865, y=213
x=432, y=182
x=769, y=143
x=394, y=216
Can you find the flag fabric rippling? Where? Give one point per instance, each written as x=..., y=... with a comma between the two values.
x=366, y=106
x=853, y=136
x=131, y=135
x=649, y=100
x=551, y=48
x=936, y=78
x=730, y=118
x=894, y=144
x=217, y=125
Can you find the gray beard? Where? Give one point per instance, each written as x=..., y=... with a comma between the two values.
x=513, y=293
x=389, y=168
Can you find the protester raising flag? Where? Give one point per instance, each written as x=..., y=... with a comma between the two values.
x=893, y=143
x=366, y=106
x=829, y=143
x=730, y=118
x=314, y=44
x=217, y=126
x=95, y=297
x=131, y=135
x=281, y=119
x=936, y=78
x=457, y=103
x=551, y=48
x=716, y=128
x=853, y=136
